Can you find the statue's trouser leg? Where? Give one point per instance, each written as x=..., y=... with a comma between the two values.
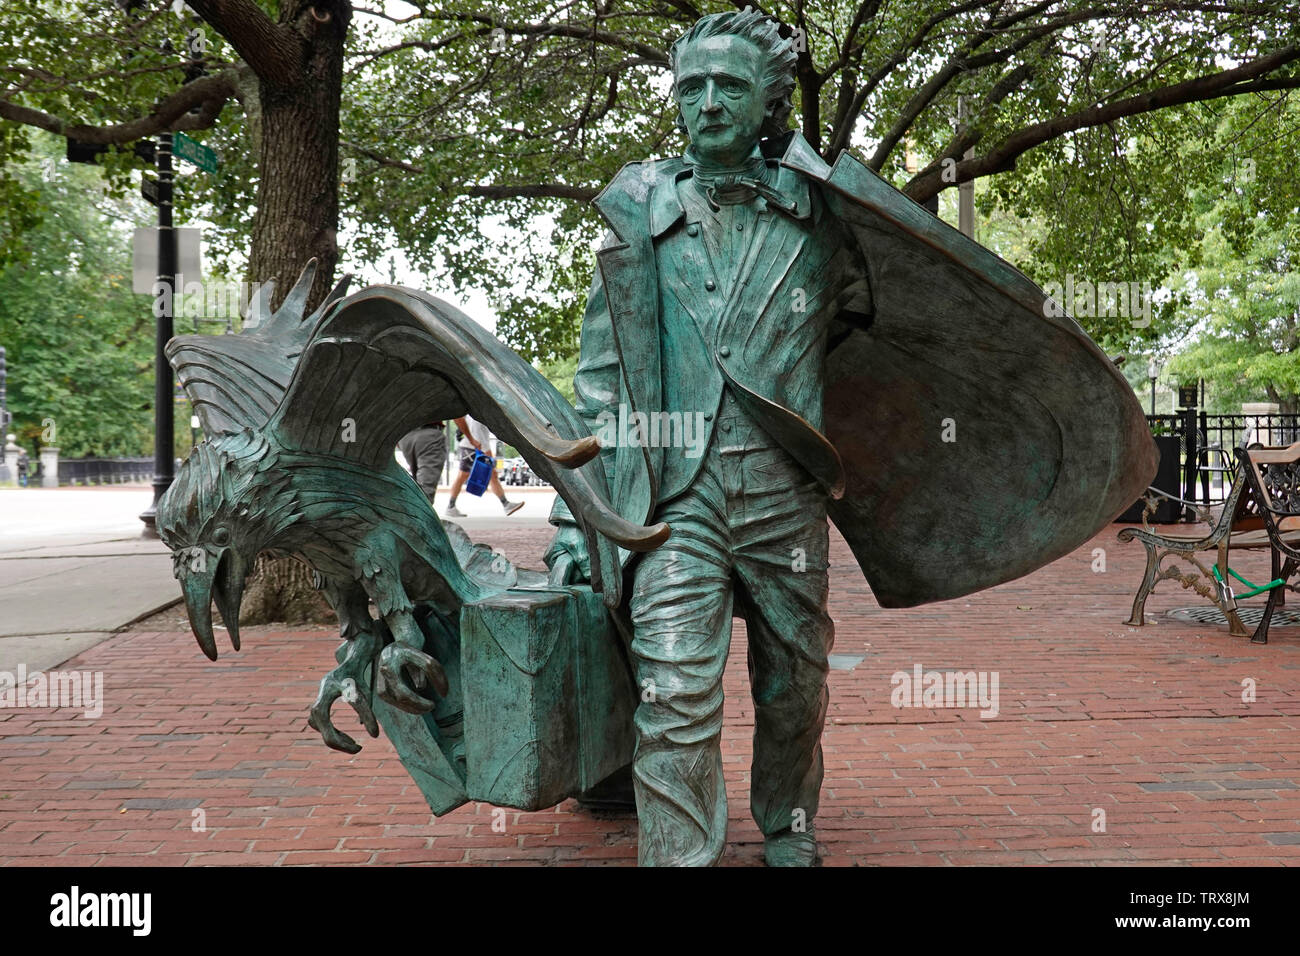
x=780, y=551
x=751, y=512
x=681, y=617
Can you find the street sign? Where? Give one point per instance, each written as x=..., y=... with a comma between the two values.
x=79, y=152
x=194, y=152
x=149, y=189
x=144, y=268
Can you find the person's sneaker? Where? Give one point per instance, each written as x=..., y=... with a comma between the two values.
x=788, y=848
x=453, y=512
x=511, y=507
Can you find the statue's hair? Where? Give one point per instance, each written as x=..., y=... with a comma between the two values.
x=778, y=52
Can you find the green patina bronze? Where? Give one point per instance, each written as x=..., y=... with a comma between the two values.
x=770, y=343
x=479, y=672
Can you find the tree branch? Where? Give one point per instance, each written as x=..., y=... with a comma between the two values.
x=170, y=114
x=850, y=106
x=532, y=191
x=969, y=137
x=866, y=11
x=572, y=30
x=964, y=61
x=271, y=49
x=810, y=84
x=381, y=159
x=428, y=46
x=537, y=191
x=386, y=16
x=1243, y=79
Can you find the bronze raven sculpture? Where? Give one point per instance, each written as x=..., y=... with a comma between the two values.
x=302, y=416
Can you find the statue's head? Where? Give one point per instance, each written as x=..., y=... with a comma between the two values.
x=226, y=505
x=733, y=75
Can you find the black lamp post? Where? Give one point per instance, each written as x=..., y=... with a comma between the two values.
x=164, y=421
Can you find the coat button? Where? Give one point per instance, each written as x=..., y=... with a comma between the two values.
x=708, y=416
x=740, y=227
x=725, y=426
x=710, y=285
x=692, y=230
x=724, y=351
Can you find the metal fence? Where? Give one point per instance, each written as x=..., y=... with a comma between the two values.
x=101, y=471
x=1206, y=442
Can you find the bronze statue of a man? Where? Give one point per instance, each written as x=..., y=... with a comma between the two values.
x=769, y=341
x=729, y=269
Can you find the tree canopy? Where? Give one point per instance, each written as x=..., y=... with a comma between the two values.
x=80, y=344
x=1238, y=299
x=471, y=135
x=530, y=108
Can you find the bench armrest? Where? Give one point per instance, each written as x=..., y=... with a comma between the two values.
x=1152, y=494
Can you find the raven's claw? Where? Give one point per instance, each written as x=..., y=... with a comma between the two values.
x=401, y=667
x=346, y=681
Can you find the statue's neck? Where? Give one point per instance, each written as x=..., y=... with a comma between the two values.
x=727, y=183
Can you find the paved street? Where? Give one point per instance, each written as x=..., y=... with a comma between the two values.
x=1111, y=745
x=74, y=567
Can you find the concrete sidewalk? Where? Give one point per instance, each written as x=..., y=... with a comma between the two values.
x=1112, y=745
x=74, y=568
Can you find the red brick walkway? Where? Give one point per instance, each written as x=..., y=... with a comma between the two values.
x=1146, y=725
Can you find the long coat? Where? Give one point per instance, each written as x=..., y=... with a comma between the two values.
x=970, y=432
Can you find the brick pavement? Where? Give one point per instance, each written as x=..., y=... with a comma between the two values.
x=1146, y=725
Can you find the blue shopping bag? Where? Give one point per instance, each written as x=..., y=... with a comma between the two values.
x=480, y=473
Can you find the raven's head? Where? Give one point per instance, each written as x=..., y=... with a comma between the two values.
x=228, y=503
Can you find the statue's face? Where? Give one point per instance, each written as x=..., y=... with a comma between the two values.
x=719, y=90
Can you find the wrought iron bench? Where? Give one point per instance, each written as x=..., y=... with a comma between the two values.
x=1273, y=477
x=1241, y=523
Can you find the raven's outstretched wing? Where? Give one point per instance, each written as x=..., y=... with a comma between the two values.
x=387, y=359
x=237, y=381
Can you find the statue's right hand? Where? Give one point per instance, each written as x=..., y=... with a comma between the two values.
x=567, y=557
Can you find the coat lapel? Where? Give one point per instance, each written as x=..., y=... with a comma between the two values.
x=632, y=293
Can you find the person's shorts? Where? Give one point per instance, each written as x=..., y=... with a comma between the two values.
x=467, y=461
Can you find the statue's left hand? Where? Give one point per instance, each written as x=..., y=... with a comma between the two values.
x=567, y=557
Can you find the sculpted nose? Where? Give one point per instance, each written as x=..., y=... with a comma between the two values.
x=710, y=97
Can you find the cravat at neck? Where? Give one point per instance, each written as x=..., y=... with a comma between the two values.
x=723, y=184
x=731, y=185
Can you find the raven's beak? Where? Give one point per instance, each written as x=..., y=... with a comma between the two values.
x=220, y=578
x=228, y=590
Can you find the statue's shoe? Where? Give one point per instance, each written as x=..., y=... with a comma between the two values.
x=788, y=848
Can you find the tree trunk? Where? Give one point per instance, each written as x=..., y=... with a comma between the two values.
x=280, y=590
x=297, y=214
x=297, y=219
